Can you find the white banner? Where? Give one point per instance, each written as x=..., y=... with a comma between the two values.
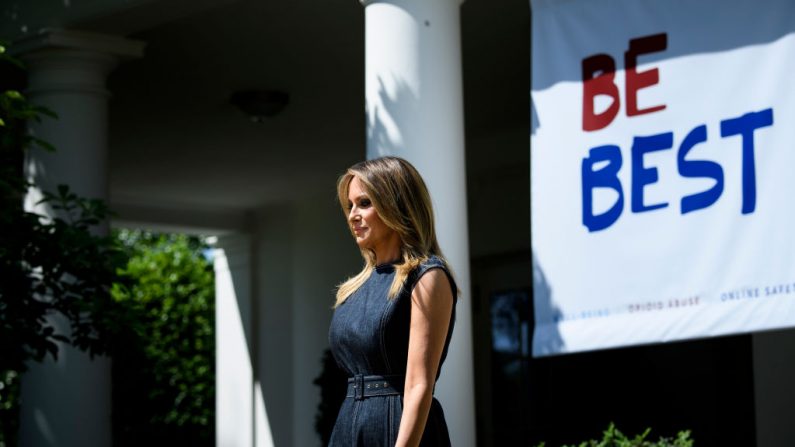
x=663, y=170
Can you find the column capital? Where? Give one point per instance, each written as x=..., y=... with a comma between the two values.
x=56, y=38
x=67, y=60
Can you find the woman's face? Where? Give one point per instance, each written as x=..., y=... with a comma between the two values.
x=369, y=230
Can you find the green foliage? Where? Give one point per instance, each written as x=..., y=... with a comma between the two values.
x=9, y=402
x=332, y=383
x=163, y=373
x=156, y=319
x=51, y=267
x=149, y=303
x=612, y=437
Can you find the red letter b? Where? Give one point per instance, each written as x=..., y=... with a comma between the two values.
x=599, y=85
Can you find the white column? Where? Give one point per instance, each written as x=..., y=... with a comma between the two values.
x=234, y=335
x=414, y=98
x=67, y=402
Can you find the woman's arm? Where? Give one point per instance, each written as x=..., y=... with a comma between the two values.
x=431, y=305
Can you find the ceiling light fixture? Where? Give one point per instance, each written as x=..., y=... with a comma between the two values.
x=260, y=104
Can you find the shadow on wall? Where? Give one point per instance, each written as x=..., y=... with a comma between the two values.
x=767, y=27
x=383, y=134
x=534, y=124
x=546, y=337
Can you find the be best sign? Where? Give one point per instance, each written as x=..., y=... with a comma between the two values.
x=662, y=153
x=598, y=78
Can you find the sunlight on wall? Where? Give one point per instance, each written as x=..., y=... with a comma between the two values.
x=234, y=391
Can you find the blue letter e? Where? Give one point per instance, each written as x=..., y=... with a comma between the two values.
x=606, y=177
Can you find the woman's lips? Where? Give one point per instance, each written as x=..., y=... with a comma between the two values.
x=358, y=230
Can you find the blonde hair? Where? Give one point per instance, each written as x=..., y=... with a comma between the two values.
x=403, y=203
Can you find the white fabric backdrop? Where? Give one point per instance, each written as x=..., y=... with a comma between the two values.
x=657, y=269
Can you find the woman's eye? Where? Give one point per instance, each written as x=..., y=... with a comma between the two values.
x=364, y=203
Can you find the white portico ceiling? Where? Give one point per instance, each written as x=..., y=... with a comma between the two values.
x=176, y=139
x=177, y=144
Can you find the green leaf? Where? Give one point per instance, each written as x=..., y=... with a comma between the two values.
x=45, y=111
x=43, y=144
x=14, y=94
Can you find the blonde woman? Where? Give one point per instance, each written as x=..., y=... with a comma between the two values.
x=393, y=321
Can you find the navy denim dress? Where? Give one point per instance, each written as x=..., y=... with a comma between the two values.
x=369, y=335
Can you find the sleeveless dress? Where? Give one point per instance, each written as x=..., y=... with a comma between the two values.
x=369, y=335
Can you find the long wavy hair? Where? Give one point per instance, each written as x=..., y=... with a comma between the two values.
x=403, y=203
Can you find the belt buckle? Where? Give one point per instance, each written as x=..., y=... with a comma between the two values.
x=358, y=387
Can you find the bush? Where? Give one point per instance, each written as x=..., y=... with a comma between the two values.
x=612, y=437
x=164, y=366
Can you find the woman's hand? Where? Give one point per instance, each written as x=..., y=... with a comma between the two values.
x=431, y=307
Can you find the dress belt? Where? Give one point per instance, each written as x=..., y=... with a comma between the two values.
x=361, y=386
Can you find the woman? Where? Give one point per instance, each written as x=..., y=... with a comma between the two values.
x=393, y=321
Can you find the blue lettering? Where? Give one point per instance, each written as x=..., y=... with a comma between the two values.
x=745, y=126
x=606, y=177
x=642, y=176
x=698, y=168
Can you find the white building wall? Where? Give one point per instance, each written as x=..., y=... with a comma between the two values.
x=274, y=250
x=275, y=288
x=324, y=255
x=774, y=369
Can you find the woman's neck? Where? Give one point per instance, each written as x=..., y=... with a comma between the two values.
x=388, y=252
